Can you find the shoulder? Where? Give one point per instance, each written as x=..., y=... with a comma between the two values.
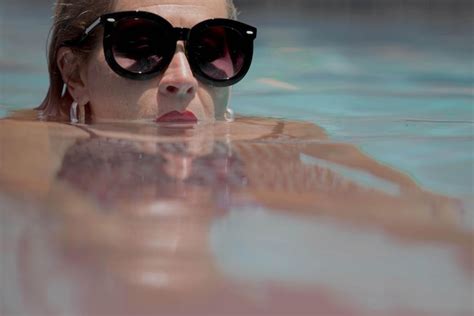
x=278, y=128
x=27, y=128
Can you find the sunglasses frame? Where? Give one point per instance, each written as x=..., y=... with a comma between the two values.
x=109, y=22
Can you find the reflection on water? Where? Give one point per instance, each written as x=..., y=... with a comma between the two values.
x=365, y=265
x=117, y=171
x=252, y=217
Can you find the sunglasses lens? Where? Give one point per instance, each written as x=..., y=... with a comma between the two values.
x=140, y=45
x=220, y=52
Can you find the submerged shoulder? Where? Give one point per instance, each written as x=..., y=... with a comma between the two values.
x=26, y=126
x=280, y=128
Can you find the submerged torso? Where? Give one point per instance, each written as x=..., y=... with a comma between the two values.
x=174, y=219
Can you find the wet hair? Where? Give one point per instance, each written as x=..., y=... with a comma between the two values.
x=71, y=17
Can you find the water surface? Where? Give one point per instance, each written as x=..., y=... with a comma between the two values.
x=250, y=217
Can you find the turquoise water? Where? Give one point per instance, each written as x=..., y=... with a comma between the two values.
x=399, y=88
x=402, y=89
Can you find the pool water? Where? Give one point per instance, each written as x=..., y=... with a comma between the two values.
x=378, y=82
x=92, y=222
x=402, y=90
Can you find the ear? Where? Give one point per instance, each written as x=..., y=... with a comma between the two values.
x=71, y=69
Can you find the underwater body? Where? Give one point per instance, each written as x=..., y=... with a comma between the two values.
x=254, y=217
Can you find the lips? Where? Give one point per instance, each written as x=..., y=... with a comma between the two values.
x=177, y=117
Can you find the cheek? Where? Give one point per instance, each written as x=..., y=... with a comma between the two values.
x=100, y=78
x=111, y=96
x=102, y=86
x=215, y=99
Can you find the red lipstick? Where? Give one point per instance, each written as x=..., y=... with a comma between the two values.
x=177, y=117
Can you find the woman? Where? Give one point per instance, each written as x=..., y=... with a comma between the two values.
x=139, y=62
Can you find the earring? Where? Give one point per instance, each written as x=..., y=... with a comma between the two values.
x=82, y=113
x=77, y=115
x=73, y=113
x=64, y=90
x=229, y=115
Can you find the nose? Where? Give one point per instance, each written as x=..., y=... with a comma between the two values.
x=178, y=79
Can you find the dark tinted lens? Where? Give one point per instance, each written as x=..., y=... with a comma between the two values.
x=139, y=45
x=220, y=52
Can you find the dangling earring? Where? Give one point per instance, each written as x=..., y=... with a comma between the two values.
x=82, y=113
x=229, y=115
x=64, y=90
x=73, y=113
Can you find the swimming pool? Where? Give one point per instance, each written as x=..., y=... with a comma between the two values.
x=404, y=83
x=400, y=88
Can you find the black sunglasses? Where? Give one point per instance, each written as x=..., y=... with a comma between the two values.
x=140, y=45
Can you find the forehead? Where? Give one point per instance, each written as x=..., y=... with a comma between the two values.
x=178, y=12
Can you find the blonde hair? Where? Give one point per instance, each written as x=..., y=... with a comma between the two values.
x=232, y=10
x=71, y=17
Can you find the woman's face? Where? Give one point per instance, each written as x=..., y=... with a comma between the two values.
x=176, y=89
